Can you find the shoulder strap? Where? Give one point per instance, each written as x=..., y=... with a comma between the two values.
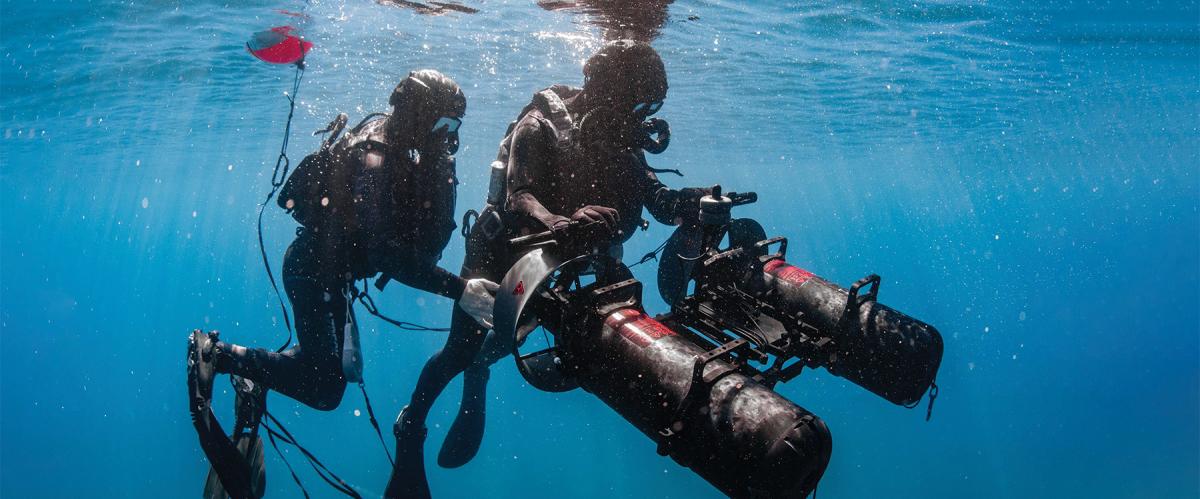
x=549, y=103
x=368, y=133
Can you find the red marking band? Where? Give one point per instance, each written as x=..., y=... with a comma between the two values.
x=637, y=327
x=790, y=273
x=520, y=289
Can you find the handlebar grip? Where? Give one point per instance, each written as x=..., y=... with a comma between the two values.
x=540, y=237
x=741, y=198
x=572, y=231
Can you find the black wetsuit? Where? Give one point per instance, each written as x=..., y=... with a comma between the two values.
x=400, y=221
x=563, y=179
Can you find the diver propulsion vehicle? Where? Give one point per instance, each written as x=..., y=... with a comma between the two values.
x=699, y=380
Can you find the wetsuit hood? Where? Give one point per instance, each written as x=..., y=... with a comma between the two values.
x=421, y=99
x=623, y=73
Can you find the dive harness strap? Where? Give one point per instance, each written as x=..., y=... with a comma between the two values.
x=550, y=104
x=933, y=393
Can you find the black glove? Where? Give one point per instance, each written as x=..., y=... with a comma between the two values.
x=687, y=204
x=591, y=214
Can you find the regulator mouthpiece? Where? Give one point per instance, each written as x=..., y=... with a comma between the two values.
x=656, y=135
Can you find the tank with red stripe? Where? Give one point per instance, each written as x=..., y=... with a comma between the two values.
x=740, y=436
x=875, y=346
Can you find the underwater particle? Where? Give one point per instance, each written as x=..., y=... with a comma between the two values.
x=137, y=163
x=357, y=413
x=970, y=366
x=145, y=202
x=193, y=213
x=1021, y=316
x=986, y=329
x=229, y=168
x=996, y=237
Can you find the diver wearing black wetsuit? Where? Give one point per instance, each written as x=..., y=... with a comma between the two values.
x=380, y=200
x=579, y=152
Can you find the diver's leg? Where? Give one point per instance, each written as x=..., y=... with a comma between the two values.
x=466, y=433
x=311, y=373
x=408, y=476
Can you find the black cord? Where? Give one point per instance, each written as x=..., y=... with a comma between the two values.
x=271, y=435
x=332, y=479
x=653, y=255
x=375, y=423
x=282, y=165
x=369, y=303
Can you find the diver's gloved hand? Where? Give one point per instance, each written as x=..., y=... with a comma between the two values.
x=602, y=214
x=478, y=299
x=687, y=204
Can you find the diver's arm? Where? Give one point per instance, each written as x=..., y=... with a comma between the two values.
x=425, y=276
x=670, y=206
x=415, y=262
x=528, y=163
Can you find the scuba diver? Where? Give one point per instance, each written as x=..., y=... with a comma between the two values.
x=378, y=201
x=573, y=155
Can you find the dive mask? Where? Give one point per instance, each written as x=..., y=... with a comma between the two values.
x=644, y=109
x=446, y=124
x=446, y=128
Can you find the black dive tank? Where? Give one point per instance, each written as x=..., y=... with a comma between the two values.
x=875, y=346
x=739, y=435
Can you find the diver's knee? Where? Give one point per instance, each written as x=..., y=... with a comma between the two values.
x=455, y=358
x=462, y=361
x=329, y=397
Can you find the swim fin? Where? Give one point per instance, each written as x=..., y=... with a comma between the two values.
x=466, y=434
x=250, y=447
x=232, y=463
x=201, y=370
x=408, y=479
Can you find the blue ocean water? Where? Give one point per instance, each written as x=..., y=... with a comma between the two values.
x=1024, y=176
